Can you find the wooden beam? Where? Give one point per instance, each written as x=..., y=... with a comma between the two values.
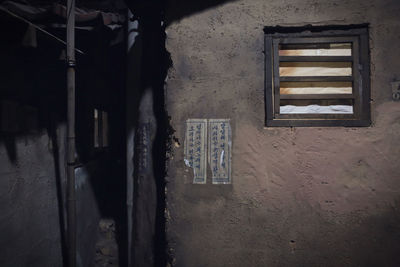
x=316, y=79
x=315, y=59
x=317, y=96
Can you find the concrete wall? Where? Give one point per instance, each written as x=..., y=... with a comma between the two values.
x=32, y=155
x=88, y=214
x=146, y=135
x=31, y=188
x=300, y=196
x=29, y=219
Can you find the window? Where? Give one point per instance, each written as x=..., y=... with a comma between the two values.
x=100, y=128
x=317, y=76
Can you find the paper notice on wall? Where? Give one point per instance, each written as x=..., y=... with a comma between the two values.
x=219, y=153
x=196, y=149
x=143, y=147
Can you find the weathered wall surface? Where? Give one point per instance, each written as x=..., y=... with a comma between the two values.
x=87, y=212
x=300, y=196
x=29, y=220
x=32, y=156
x=30, y=188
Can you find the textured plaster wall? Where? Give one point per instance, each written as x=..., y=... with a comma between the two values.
x=300, y=196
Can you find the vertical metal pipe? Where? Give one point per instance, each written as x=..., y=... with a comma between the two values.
x=71, y=200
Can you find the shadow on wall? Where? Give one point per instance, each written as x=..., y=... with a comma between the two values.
x=178, y=9
x=148, y=119
x=349, y=235
x=32, y=143
x=31, y=107
x=33, y=102
x=171, y=10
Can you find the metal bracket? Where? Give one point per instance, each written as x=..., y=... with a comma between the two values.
x=396, y=90
x=71, y=63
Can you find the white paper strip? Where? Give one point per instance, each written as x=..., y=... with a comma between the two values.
x=219, y=155
x=196, y=149
x=316, y=109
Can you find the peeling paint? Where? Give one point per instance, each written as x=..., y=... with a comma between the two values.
x=187, y=163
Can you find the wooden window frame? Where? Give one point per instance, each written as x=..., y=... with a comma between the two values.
x=357, y=35
x=103, y=141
